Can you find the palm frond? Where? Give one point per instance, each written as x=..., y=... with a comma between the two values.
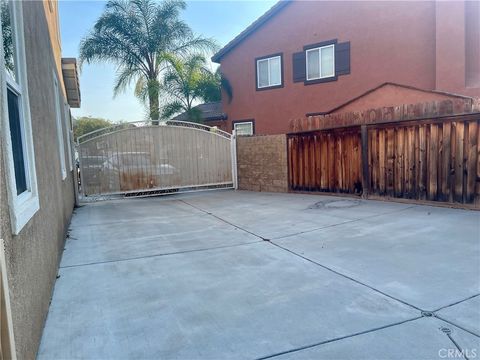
x=152, y=46
x=172, y=108
x=124, y=78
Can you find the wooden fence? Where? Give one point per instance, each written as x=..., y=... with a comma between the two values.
x=433, y=159
x=326, y=161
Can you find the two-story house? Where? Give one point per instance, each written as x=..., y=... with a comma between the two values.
x=315, y=57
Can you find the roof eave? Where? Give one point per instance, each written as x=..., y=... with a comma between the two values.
x=72, y=84
x=216, y=58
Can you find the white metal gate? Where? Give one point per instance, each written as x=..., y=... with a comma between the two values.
x=138, y=157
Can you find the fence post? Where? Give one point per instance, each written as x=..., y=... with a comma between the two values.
x=233, y=145
x=365, y=172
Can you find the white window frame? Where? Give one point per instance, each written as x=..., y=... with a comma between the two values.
x=319, y=50
x=268, y=59
x=68, y=130
x=243, y=123
x=22, y=206
x=58, y=116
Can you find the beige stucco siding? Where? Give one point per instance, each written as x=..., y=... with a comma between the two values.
x=33, y=255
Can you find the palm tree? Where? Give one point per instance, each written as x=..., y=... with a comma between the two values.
x=188, y=80
x=138, y=36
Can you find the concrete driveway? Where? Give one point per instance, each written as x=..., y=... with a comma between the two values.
x=226, y=275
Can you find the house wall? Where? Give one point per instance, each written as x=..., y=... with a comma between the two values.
x=262, y=163
x=391, y=95
x=33, y=255
x=390, y=42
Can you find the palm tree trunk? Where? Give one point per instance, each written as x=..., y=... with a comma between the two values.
x=153, y=93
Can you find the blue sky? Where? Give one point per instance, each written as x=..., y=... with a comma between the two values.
x=221, y=20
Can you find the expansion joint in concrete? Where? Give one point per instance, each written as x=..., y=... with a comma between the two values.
x=457, y=302
x=158, y=255
x=341, y=223
x=348, y=277
x=456, y=325
x=447, y=331
x=303, y=257
x=223, y=220
x=337, y=339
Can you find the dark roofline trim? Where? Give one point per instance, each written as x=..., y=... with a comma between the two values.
x=222, y=117
x=380, y=86
x=275, y=9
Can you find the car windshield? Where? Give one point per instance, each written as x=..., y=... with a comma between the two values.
x=134, y=159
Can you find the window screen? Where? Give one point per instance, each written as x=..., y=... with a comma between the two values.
x=269, y=72
x=17, y=142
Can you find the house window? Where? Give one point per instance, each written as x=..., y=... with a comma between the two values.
x=320, y=62
x=243, y=128
x=68, y=129
x=16, y=136
x=17, y=127
x=60, y=140
x=269, y=72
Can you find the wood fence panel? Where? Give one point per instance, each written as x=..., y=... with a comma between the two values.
x=459, y=160
x=432, y=159
x=432, y=162
x=325, y=161
x=472, y=158
x=446, y=157
x=436, y=161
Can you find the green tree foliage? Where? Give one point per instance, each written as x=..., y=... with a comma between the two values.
x=87, y=124
x=7, y=37
x=188, y=81
x=138, y=36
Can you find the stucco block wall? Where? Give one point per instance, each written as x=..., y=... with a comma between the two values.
x=262, y=163
x=33, y=255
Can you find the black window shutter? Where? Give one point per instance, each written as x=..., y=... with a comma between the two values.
x=299, y=70
x=342, y=58
x=17, y=142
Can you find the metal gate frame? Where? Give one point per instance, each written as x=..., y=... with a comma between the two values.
x=117, y=128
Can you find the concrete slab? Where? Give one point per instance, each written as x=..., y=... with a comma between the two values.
x=224, y=293
x=113, y=211
x=426, y=256
x=465, y=314
x=239, y=302
x=418, y=339
x=277, y=215
x=143, y=234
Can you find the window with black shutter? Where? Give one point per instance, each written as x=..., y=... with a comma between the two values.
x=322, y=62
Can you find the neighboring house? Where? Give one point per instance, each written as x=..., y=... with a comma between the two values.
x=209, y=112
x=314, y=57
x=37, y=195
x=213, y=115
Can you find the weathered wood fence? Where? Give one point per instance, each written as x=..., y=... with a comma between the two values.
x=325, y=161
x=411, y=157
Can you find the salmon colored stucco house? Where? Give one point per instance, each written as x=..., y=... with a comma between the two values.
x=315, y=57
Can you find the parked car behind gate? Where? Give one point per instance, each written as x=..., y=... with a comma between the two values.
x=137, y=171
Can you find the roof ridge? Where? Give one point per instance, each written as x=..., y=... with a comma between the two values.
x=250, y=29
x=369, y=91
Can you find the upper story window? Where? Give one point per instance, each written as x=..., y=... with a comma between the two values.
x=269, y=72
x=19, y=154
x=320, y=62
